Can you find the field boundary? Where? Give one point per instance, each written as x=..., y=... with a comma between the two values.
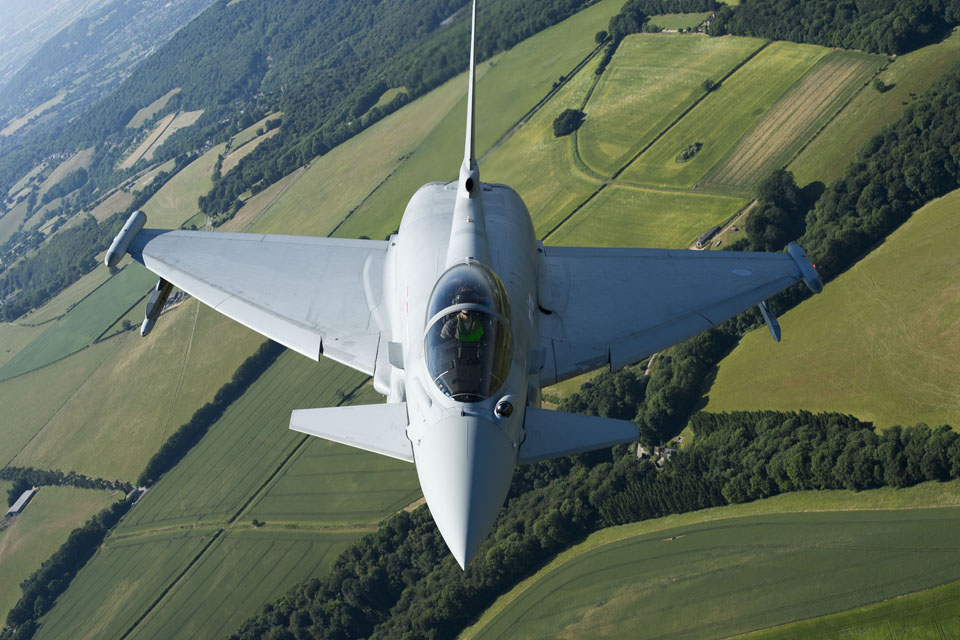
x=643, y=150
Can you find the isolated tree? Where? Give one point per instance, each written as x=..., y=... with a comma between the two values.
x=600, y=37
x=568, y=122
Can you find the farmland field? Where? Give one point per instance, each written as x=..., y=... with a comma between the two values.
x=880, y=342
x=711, y=572
x=14, y=337
x=238, y=153
x=84, y=323
x=826, y=157
x=176, y=201
x=119, y=200
x=81, y=159
x=148, y=142
x=223, y=472
x=622, y=216
x=151, y=109
x=651, y=80
x=70, y=296
x=934, y=613
x=795, y=118
x=724, y=116
x=517, y=80
x=250, y=132
x=266, y=561
x=117, y=585
x=30, y=401
x=40, y=530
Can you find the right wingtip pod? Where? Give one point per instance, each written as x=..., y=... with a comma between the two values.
x=807, y=270
x=120, y=244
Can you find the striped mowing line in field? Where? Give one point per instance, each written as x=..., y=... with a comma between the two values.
x=794, y=118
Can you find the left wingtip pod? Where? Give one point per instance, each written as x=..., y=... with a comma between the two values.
x=119, y=245
x=807, y=271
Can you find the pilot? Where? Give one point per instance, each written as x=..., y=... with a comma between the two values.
x=464, y=326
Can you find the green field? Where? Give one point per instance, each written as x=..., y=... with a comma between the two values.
x=828, y=155
x=249, y=465
x=880, y=342
x=40, y=530
x=63, y=301
x=651, y=81
x=934, y=613
x=30, y=401
x=724, y=116
x=151, y=109
x=176, y=201
x=84, y=323
x=14, y=337
x=128, y=404
x=733, y=569
x=802, y=111
x=622, y=216
x=266, y=562
x=251, y=441
x=518, y=79
x=117, y=585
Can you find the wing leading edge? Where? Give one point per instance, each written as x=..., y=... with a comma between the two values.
x=617, y=306
x=313, y=295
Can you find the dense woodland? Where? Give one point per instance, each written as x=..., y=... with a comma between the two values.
x=878, y=26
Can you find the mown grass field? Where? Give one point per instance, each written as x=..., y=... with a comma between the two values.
x=623, y=216
x=119, y=200
x=31, y=400
x=651, y=80
x=67, y=298
x=880, y=342
x=235, y=156
x=724, y=116
x=266, y=562
x=733, y=569
x=250, y=132
x=84, y=323
x=828, y=155
x=518, y=80
x=40, y=530
x=934, y=613
x=117, y=585
x=245, y=447
x=148, y=111
x=80, y=159
x=176, y=201
x=14, y=337
x=802, y=111
x=148, y=142
x=137, y=397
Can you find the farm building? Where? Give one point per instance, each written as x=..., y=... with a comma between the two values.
x=21, y=502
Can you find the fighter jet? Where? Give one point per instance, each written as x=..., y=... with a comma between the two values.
x=460, y=318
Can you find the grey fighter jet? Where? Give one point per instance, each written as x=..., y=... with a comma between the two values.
x=461, y=318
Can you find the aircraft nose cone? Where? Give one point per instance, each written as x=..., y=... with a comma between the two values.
x=465, y=465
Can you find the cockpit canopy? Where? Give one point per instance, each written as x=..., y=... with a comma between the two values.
x=468, y=339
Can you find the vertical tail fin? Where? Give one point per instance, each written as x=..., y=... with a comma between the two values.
x=469, y=157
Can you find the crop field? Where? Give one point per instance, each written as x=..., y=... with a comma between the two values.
x=148, y=142
x=934, y=613
x=250, y=132
x=724, y=116
x=652, y=79
x=795, y=118
x=14, y=337
x=176, y=201
x=84, y=323
x=880, y=342
x=148, y=111
x=240, y=452
x=18, y=123
x=909, y=75
x=205, y=604
x=10, y=222
x=117, y=585
x=40, y=530
x=331, y=484
x=140, y=395
x=622, y=216
x=147, y=176
x=63, y=301
x=717, y=572
x=516, y=82
x=31, y=400
x=119, y=200
x=183, y=120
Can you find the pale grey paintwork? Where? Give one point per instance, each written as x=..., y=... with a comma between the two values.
x=365, y=304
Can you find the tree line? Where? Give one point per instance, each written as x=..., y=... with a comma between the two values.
x=26, y=477
x=879, y=26
x=402, y=582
